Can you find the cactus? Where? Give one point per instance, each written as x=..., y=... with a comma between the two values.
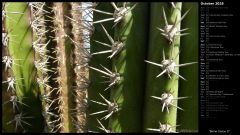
x=129, y=63
x=167, y=45
x=160, y=49
x=131, y=79
x=128, y=53
x=21, y=82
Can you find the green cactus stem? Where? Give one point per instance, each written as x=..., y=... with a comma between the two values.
x=128, y=92
x=96, y=86
x=20, y=47
x=156, y=86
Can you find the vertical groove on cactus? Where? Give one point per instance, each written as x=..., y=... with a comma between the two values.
x=96, y=86
x=128, y=93
x=20, y=48
x=158, y=84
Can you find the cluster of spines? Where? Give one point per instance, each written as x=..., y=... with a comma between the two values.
x=60, y=33
x=41, y=62
x=81, y=57
x=59, y=39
